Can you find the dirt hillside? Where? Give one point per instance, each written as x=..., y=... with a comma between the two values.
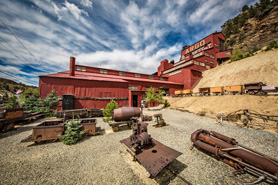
x=261, y=67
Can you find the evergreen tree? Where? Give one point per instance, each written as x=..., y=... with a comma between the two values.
x=12, y=102
x=72, y=133
x=107, y=112
x=244, y=8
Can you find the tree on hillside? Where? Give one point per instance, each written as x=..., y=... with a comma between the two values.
x=252, y=11
x=244, y=8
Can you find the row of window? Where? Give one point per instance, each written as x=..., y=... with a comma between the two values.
x=104, y=71
x=202, y=64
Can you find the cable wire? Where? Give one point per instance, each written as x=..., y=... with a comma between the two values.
x=19, y=41
x=20, y=79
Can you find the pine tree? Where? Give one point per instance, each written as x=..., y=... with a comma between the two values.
x=72, y=133
x=107, y=112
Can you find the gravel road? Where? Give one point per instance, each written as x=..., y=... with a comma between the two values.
x=103, y=160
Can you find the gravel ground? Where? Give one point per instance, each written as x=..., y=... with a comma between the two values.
x=103, y=160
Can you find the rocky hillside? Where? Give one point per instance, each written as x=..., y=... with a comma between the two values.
x=10, y=86
x=262, y=67
x=256, y=26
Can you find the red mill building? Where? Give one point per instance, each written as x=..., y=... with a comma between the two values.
x=195, y=59
x=93, y=87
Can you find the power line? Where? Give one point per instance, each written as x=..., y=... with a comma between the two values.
x=5, y=60
x=19, y=40
x=12, y=48
x=20, y=79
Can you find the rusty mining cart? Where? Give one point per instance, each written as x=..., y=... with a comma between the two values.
x=151, y=154
x=122, y=116
x=242, y=158
x=8, y=118
x=54, y=129
x=159, y=120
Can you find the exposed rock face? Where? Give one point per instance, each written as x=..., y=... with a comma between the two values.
x=257, y=32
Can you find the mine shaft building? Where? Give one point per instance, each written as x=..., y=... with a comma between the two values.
x=92, y=87
x=203, y=55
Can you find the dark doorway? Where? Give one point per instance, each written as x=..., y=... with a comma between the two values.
x=135, y=100
x=67, y=101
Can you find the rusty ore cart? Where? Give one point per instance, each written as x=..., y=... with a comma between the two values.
x=48, y=130
x=8, y=118
x=217, y=90
x=204, y=91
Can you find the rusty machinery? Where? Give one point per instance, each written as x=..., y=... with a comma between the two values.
x=122, y=116
x=242, y=158
x=159, y=120
x=151, y=154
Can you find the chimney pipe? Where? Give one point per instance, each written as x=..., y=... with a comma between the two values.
x=72, y=66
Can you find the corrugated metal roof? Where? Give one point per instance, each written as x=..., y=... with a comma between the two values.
x=106, y=77
x=82, y=76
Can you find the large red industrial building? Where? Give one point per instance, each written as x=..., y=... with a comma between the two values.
x=93, y=87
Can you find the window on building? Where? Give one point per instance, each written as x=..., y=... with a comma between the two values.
x=150, y=77
x=228, y=53
x=202, y=64
x=132, y=88
x=206, y=54
x=211, y=56
x=216, y=45
x=196, y=62
x=103, y=71
x=122, y=73
x=137, y=75
x=78, y=68
x=182, y=57
x=161, y=78
x=206, y=61
x=83, y=69
x=211, y=62
x=208, y=67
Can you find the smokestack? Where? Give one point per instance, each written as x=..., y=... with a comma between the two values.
x=72, y=66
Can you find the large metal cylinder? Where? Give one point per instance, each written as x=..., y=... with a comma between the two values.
x=125, y=113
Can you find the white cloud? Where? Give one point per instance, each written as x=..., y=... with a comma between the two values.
x=67, y=8
x=129, y=60
x=87, y=3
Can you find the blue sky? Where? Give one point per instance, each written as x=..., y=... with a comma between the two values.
x=129, y=35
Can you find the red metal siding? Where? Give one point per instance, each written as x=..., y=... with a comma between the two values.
x=85, y=89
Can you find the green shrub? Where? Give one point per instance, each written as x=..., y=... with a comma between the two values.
x=12, y=102
x=159, y=96
x=202, y=112
x=272, y=44
x=46, y=106
x=72, y=133
x=241, y=36
x=255, y=48
x=107, y=112
x=166, y=103
x=151, y=96
x=237, y=54
x=232, y=41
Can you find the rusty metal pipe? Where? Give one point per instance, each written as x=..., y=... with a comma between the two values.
x=125, y=113
x=224, y=138
x=249, y=157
